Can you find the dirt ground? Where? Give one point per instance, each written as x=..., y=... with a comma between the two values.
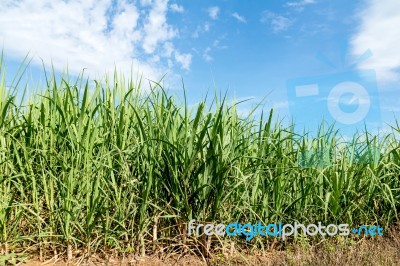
x=384, y=255
x=387, y=257
x=383, y=251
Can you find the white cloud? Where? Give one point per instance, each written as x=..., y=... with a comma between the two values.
x=156, y=28
x=83, y=34
x=215, y=46
x=201, y=29
x=379, y=24
x=206, y=55
x=239, y=17
x=168, y=49
x=300, y=3
x=206, y=27
x=184, y=59
x=146, y=2
x=125, y=21
x=176, y=8
x=277, y=22
x=213, y=12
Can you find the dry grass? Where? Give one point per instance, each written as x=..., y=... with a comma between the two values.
x=365, y=251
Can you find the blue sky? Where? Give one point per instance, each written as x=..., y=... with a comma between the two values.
x=250, y=49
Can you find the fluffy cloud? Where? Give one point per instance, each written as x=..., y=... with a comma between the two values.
x=177, y=8
x=213, y=12
x=216, y=45
x=277, y=22
x=94, y=34
x=184, y=59
x=239, y=17
x=201, y=29
x=379, y=23
x=156, y=28
x=300, y=3
x=206, y=55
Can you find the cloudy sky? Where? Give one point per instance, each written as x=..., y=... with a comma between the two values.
x=306, y=56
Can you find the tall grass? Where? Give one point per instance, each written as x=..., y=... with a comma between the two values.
x=110, y=166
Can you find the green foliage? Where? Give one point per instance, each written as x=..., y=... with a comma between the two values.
x=12, y=259
x=104, y=164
